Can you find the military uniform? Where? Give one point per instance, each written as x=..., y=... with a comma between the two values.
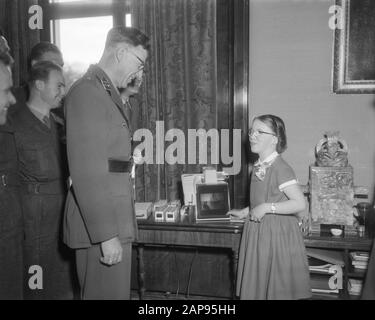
x=11, y=232
x=43, y=173
x=22, y=94
x=100, y=204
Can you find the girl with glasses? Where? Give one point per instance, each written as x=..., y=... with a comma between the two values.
x=273, y=261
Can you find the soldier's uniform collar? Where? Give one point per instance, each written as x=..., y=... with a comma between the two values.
x=96, y=72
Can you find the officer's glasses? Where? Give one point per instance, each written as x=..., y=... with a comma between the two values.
x=142, y=63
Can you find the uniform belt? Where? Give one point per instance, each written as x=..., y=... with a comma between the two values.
x=9, y=180
x=53, y=187
x=119, y=165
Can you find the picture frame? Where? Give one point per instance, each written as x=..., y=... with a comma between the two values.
x=213, y=202
x=354, y=47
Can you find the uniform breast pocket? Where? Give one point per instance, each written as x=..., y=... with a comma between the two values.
x=36, y=159
x=119, y=141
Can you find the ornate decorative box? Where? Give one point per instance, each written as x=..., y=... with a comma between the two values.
x=331, y=195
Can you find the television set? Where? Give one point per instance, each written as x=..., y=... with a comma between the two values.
x=212, y=202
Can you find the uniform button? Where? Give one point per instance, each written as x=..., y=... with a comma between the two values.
x=124, y=124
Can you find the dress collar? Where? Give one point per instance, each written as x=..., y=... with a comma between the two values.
x=268, y=160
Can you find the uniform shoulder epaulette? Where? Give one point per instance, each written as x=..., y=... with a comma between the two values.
x=86, y=78
x=74, y=85
x=106, y=84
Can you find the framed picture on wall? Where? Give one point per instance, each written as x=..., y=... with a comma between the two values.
x=354, y=47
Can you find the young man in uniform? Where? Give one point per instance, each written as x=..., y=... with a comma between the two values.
x=43, y=171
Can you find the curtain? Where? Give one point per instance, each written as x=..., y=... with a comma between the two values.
x=180, y=88
x=14, y=20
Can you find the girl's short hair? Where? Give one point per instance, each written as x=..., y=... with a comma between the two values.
x=277, y=125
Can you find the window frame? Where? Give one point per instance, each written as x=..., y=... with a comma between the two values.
x=80, y=9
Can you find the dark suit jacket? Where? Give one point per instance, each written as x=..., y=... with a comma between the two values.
x=100, y=205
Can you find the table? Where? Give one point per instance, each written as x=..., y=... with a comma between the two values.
x=225, y=235
x=228, y=235
x=345, y=244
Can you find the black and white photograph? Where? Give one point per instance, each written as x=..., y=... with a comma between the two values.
x=193, y=153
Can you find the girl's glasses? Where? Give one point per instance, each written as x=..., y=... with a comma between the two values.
x=257, y=133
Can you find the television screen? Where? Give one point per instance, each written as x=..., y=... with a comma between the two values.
x=212, y=202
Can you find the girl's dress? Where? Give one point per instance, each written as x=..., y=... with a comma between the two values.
x=272, y=260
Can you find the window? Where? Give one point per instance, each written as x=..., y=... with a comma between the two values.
x=79, y=28
x=81, y=40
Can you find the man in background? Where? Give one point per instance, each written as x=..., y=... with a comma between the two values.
x=100, y=220
x=43, y=171
x=42, y=51
x=11, y=232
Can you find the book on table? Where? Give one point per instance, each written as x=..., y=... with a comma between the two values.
x=359, y=256
x=359, y=259
x=360, y=263
x=355, y=286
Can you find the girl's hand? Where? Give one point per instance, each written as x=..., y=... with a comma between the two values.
x=239, y=213
x=257, y=213
x=302, y=216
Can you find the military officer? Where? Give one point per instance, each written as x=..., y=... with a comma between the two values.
x=99, y=216
x=11, y=232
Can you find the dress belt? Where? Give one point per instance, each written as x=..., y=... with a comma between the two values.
x=281, y=215
x=118, y=166
x=51, y=187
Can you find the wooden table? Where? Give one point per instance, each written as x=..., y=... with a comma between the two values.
x=225, y=235
x=345, y=244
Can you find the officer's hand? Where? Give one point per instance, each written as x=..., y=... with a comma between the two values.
x=112, y=251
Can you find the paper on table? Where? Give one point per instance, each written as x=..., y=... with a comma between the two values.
x=188, y=185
